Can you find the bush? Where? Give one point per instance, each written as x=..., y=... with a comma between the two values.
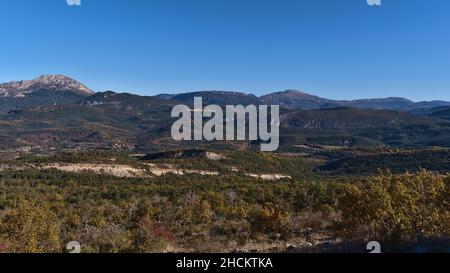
x=32, y=228
x=392, y=207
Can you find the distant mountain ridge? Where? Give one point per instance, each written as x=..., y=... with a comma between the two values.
x=293, y=99
x=218, y=97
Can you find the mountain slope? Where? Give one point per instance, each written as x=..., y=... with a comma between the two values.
x=347, y=118
x=346, y=126
x=104, y=120
x=392, y=103
x=442, y=112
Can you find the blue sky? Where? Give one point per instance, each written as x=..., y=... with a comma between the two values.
x=340, y=49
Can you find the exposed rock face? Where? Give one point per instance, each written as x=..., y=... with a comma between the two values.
x=45, y=82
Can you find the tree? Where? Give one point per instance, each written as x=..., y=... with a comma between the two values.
x=142, y=231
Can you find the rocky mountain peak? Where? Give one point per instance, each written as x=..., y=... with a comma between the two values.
x=44, y=82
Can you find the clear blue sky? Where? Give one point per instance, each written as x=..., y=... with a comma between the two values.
x=340, y=49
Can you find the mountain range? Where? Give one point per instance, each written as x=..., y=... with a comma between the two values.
x=63, y=89
x=57, y=112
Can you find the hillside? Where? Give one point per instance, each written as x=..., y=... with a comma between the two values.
x=345, y=126
x=348, y=118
